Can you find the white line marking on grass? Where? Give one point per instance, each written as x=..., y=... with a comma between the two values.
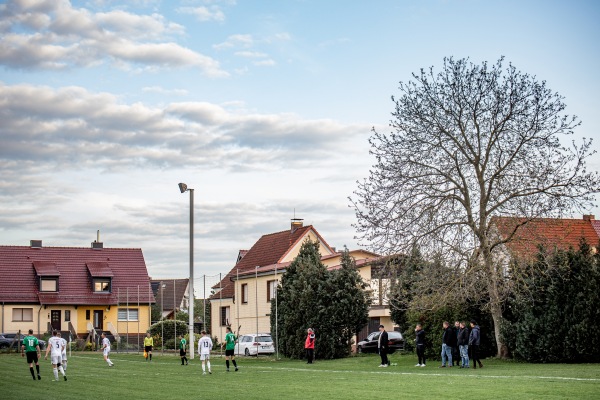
x=564, y=378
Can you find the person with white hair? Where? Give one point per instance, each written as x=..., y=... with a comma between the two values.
x=309, y=345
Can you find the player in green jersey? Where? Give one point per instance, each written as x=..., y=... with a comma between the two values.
x=229, y=348
x=183, y=349
x=31, y=349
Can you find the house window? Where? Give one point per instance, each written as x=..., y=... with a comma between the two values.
x=101, y=285
x=224, y=316
x=87, y=315
x=22, y=315
x=271, y=288
x=128, y=314
x=245, y=293
x=48, y=285
x=67, y=315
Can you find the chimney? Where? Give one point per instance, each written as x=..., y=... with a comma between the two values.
x=589, y=217
x=35, y=244
x=97, y=244
x=296, y=223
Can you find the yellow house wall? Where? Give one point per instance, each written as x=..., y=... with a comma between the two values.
x=111, y=315
x=40, y=320
x=296, y=249
x=215, y=317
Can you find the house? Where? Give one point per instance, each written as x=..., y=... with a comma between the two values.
x=172, y=295
x=525, y=236
x=74, y=290
x=243, y=298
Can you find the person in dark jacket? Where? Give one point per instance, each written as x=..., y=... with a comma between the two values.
x=455, y=350
x=448, y=339
x=382, y=346
x=420, y=343
x=463, y=345
x=474, y=341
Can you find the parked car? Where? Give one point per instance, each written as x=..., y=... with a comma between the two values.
x=6, y=339
x=254, y=344
x=370, y=344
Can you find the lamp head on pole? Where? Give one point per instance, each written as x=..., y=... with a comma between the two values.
x=182, y=187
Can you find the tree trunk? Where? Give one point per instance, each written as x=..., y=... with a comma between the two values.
x=496, y=311
x=495, y=305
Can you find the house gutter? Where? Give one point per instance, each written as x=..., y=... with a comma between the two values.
x=2, y=316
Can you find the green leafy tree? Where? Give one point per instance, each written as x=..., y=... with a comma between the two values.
x=334, y=303
x=555, y=313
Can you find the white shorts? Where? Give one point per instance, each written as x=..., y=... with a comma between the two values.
x=64, y=356
x=204, y=356
x=56, y=359
x=106, y=351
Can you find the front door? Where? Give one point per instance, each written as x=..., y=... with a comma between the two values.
x=55, y=317
x=98, y=319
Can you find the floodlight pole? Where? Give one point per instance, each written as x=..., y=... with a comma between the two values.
x=183, y=188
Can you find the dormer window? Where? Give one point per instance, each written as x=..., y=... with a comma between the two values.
x=101, y=285
x=48, y=284
x=101, y=276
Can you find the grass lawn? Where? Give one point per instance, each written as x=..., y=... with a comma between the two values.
x=264, y=378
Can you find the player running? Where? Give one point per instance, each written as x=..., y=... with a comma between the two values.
x=63, y=342
x=205, y=345
x=183, y=349
x=148, y=344
x=106, y=349
x=230, y=348
x=31, y=349
x=55, y=345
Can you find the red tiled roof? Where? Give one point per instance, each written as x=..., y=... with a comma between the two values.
x=552, y=233
x=99, y=269
x=43, y=268
x=19, y=282
x=268, y=250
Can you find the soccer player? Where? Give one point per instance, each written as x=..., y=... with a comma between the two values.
x=63, y=356
x=31, y=349
x=229, y=348
x=55, y=345
x=148, y=344
x=183, y=349
x=106, y=349
x=205, y=345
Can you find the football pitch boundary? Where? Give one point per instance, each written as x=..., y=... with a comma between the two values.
x=378, y=372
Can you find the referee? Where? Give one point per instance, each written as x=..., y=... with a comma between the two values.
x=148, y=343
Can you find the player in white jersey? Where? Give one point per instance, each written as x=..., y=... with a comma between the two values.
x=63, y=342
x=205, y=345
x=55, y=345
x=106, y=349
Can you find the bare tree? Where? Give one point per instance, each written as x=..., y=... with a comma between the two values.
x=469, y=143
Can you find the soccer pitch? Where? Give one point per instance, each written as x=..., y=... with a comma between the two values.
x=265, y=378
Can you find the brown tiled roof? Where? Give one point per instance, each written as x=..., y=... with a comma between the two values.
x=99, y=269
x=173, y=292
x=19, y=280
x=268, y=250
x=552, y=233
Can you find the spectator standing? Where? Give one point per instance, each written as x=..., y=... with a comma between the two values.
x=420, y=343
x=382, y=345
x=309, y=345
x=474, y=342
x=448, y=338
x=463, y=345
x=455, y=350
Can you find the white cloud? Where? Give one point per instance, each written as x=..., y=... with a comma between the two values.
x=264, y=63
x=251, y=54
x=54, y=35
x=161, y=90
x=202, y=13
x=238, y=40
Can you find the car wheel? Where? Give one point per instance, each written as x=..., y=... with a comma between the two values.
x=247, y=352
x=360, y=349
x=3, y=346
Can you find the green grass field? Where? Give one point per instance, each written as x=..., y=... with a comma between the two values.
x=265, y=378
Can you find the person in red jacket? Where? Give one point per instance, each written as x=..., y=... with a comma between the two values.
x=309, y=346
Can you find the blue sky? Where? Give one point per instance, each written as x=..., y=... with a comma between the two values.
x=264, y=107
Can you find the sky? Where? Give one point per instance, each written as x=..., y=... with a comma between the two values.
x=264, y=108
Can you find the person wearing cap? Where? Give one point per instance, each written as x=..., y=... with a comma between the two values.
x=309, y=345
x=382, y=346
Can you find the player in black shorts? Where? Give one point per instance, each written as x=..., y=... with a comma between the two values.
x=148, y=343
x=31, y=349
